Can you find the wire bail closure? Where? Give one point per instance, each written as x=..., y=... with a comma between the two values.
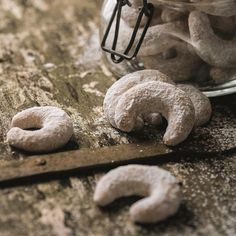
x=146, y=10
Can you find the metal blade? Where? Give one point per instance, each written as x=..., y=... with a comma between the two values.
x=57, y=165
x=63, y=162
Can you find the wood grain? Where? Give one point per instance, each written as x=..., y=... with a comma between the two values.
x=49, y=55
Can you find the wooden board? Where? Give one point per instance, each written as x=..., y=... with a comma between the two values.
x=49, y=56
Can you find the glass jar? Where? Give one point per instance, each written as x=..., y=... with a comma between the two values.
x=192, y=41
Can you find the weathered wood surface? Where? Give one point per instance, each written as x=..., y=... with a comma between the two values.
x=43, y=62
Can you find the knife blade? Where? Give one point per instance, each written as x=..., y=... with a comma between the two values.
x=76, y=160
x=61, y=164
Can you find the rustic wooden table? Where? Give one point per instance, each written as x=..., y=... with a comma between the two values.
x=49, y=56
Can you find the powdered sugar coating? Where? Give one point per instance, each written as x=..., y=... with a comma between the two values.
x=54, y=126
x=201, y=103
x=212, y=49
x=124, y=84
x=180, y=67
x=130, y=16
x=159, y=37
x=160, y=189
x=157, y=97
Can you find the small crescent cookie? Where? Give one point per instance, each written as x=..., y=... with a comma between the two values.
x=157, y=97
x=55, y=128
x=212, y=49
x=161, y=191
x=181, y=67
x=124, y=84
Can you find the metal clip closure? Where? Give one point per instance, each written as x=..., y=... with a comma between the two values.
x=118, y=57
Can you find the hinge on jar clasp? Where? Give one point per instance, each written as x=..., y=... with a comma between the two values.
x=147, y=9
